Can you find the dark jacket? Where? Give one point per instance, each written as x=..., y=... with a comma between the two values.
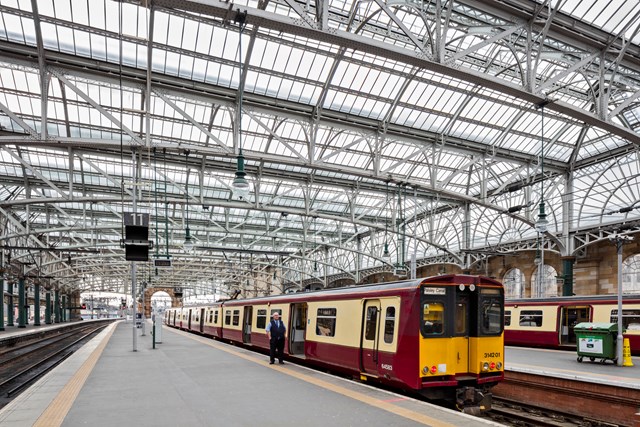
x=277, y=333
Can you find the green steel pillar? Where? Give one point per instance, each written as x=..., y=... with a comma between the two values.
x=1, y=303
x=36, y=304
x=47, y=307
x=64, y=308
x=567, y=274
x=22, y=302
x=10, y=304
x=56, y=306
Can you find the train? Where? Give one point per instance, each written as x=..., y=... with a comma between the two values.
x=440, y=337
x=550, y=322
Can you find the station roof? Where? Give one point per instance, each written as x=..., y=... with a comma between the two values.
x=437, y=127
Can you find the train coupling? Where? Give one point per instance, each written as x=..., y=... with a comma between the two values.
x=472, y=401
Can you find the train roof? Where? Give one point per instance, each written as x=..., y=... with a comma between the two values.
x=573, y=299
x=363, y=289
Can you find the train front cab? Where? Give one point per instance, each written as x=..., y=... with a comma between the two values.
x=461, y=340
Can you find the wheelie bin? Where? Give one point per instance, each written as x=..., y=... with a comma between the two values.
x=596, y=341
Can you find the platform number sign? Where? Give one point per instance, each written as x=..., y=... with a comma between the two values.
x=136, y=240
x=136, y=219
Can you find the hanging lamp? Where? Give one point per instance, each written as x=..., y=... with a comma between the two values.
x=240, y=184
x=386, y=254
x=188, y=243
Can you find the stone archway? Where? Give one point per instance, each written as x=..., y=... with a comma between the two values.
x=148, y=293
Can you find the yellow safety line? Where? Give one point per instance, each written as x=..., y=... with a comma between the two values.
x=59, y=408
x=377, y=403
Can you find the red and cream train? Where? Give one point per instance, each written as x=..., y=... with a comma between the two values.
x=549, y=322
x=441, y=337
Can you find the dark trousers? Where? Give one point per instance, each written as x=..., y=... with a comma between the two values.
x=276, y=349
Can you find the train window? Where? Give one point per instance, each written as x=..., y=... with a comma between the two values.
x=236, y=317
x=507, y=318
x=630, y=319
x=460, y=321
x=215, y=317
x=490, y=312
x=227, y=317
x=531, y=318
x=211, y=316
x=261, y=319
x=372, y=321
x=389, y=324
x=326, y=322
x=433, y=318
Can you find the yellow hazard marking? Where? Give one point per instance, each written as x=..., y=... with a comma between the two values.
x=377, y=403
x=59, y=408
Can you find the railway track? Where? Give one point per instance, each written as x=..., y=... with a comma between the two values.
x=512, y=413
x=569, y=400
x=27, y=361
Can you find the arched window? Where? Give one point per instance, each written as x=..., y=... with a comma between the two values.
x=631, y=275
x=513, y=283
x=549, y=286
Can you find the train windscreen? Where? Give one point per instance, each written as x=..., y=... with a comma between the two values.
x=491, y=312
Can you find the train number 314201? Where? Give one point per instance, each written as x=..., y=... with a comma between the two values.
x=492, y=354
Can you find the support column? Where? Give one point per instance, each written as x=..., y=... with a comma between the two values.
x=63, y=308
x=36, y=304
x=10, y=304
x=22, y=302
x=56, y=306
x=47, y=308
x=567, y=274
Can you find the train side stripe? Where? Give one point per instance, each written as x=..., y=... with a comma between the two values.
x=58, y=409
x=377, y=403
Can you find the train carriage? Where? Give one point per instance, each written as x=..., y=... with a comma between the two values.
x=441, y=337
x=550, y=322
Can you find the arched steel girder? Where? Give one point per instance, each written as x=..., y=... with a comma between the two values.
x=220, y=203
x=447, y=195
x=271, y=20
x=173, y=86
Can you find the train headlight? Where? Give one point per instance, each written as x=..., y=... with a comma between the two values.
x=425, y=370
x=499, y=365
x=485, y=366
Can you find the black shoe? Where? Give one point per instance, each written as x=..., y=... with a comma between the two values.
x=281, y=362
x=270, y=363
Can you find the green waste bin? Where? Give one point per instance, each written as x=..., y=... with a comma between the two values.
x=596, y=341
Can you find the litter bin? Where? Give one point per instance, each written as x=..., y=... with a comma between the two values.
x=596, y=341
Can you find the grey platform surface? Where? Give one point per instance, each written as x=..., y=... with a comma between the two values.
x=194, y=381
x=564, y=364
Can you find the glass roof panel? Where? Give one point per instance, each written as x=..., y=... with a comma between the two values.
x=613, y=16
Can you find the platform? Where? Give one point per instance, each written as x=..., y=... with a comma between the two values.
x=564, y=364
x=196, y=381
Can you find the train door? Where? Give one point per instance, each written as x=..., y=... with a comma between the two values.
x=189, y=321
x=201, y=320
x=570, y=316
x=369, y=337
x=460, y=321
x=297, y=328
x=246, y=324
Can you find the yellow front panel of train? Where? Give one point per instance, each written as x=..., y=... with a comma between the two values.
x=486, y=355
x=444, y=356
